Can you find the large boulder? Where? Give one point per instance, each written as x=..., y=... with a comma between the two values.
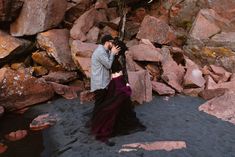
x=224, y=39
x=222, y=107
x=224, y=8
x=37, y=16
x=162, y=89
x=193, y=76
x=155, y=30
x=19, y=90
x=56, y=43
x=11, y=47
x=141, y=86
x=85, y=22
x=42, y=58
x=10, y=9
x=61, y=77
x=173, y=73
x=81, y=55
x=144, y=52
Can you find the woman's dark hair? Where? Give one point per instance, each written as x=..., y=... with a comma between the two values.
x=121, y=44
x=119, y=63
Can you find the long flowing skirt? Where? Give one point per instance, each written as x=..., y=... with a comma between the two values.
x=114, y=114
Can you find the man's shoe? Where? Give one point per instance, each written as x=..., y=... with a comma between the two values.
x=110, y=143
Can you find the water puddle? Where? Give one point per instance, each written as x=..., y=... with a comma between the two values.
x=30, y=146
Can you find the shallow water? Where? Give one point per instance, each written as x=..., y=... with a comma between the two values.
x=30, y=146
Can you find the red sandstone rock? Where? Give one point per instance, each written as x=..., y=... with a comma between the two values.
x=212, y=93
x=222, y=107
x=3, y=148
x=37, y=16
x=19, y=90
x=56, y=43
x=155, y=30
x=143, y=52
x=16, y=135
x=60, y=76
x=42, y=122
x=162, y=89
x=140, y=85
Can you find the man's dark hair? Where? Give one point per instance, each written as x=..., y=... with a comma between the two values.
x=106, y=38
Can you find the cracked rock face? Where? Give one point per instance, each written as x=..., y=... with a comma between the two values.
x=37, y=16
x=19, y=90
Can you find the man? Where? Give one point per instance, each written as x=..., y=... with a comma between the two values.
x=101, y=62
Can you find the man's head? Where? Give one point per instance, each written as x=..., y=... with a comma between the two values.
x=107, y=41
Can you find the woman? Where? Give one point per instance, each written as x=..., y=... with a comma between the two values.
x=114, y=115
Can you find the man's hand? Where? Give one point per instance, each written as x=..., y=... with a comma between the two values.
x=115, y=50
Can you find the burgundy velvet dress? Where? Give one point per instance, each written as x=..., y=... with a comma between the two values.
x=114, y=114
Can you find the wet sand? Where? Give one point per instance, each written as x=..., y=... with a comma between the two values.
x=176, y=119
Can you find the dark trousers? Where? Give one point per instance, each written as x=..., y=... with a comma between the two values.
x=100, y=95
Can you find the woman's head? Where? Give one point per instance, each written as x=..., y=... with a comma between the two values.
x=121, y=44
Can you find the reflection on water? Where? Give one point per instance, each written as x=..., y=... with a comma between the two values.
x=30, y=146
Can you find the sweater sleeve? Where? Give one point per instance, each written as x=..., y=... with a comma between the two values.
x=105, y=59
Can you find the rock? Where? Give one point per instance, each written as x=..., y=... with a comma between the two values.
x=11, y=47
x=1, y=111
x=192, y=91
x=158, y=145
x=37, y=16
x=131, y=65
x=78, y=83
x=19, y=90
x=43, y=121
x=16, y=135
x=212, y=93
x=227, y=85
x=66, y=91
x=93, y=34
x=183, y=13
x=222, y=107
x=223, y=39
x=140, y=85
x=131, y=43
x=61, y=77
x=204, y=27
x=210, y=83
x=224, y=75
x=143, y=52
x=3, y=148
x=81, y=54
x=56, y=43
x=173, y=73
x=223, y=8
x=42, y=58
x=162, y=89
x=219, y=56
x=10, y=9
x=17, y=66
x=75, y=10
x=232, y=78
x=155, y=30
x=112, y=13
x=205, y=43
x=86, y=96
x=85, y=22
x=39, y=71
x=101, y=4
x=131, y=29
x=193, y=78
x=154, y=70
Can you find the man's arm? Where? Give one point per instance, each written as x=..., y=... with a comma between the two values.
x=105, y=60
